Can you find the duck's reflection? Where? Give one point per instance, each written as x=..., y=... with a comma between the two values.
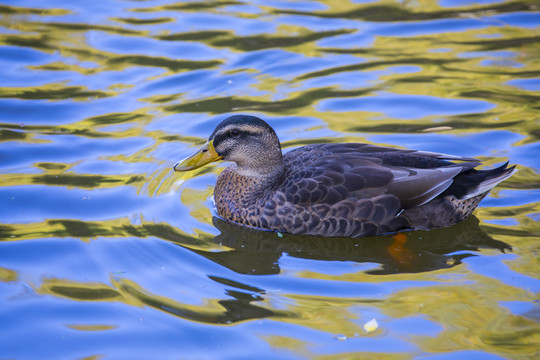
x=258, y=252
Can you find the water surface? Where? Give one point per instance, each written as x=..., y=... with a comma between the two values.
x=105, y=253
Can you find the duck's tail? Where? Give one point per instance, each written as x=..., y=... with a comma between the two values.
x=472, y=183
x=457, y=202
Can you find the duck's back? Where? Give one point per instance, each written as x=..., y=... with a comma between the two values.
x=330, y=173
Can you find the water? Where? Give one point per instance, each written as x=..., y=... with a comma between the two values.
x=108, y=254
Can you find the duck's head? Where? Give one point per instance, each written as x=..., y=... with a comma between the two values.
x=246, y=140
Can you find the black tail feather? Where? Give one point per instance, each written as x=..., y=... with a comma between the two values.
x=475, y=182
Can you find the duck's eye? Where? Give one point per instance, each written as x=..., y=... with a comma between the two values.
x=234, y=133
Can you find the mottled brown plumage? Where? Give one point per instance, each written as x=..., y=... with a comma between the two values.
x=348, y=190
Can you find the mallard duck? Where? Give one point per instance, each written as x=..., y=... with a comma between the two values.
x=337, y=189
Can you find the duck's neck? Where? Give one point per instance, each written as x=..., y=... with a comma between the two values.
x=263, y=173
x=261, y=166
x=250, y=182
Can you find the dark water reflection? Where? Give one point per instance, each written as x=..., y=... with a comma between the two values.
x=258, y=252
x=105, y=253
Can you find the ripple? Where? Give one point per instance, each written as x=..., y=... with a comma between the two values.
x=406, y=106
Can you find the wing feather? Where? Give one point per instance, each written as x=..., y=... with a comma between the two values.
x=342, y=171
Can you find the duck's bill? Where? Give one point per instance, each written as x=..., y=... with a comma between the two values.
x=203, y=156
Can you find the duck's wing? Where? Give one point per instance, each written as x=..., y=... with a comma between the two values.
x=416, y=158
x=415, y=187
x=330, y=173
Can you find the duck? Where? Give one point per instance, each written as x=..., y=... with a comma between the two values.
x=337, y=189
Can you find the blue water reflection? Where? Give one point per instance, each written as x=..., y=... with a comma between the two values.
x=526, y=84
x=407, y=106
